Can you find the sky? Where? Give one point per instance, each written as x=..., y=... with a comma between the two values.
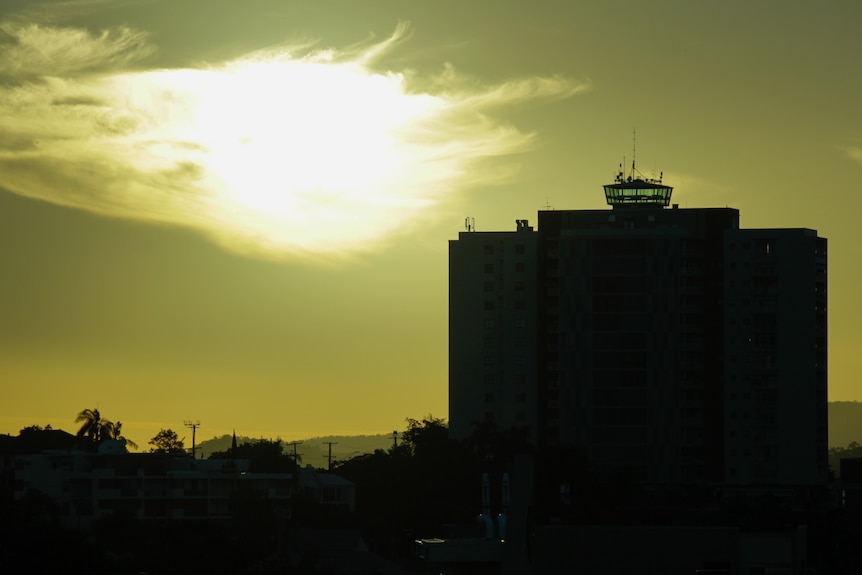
x=239, y=213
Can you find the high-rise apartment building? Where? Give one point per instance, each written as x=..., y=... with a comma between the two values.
x=492, y=329
x=670, y=345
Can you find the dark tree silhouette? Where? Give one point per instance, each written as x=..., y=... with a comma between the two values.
x=35, y=427
x=93, y=427
x=426, y=437
x=115, y=431
x=97, y=429
x=415, y=489
x=167, y=441
x=264, y=456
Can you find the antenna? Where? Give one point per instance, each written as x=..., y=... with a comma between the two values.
x=194, y=425
x=634, y=149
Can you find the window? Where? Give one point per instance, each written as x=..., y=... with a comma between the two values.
x=519, y=286
x=521, y=322
x=489, y=305
x=520, y=249
x=520, y=267
x=764, y=246
x=489, y=250
x=489, y=398
x=520, y=398
x=489, y=268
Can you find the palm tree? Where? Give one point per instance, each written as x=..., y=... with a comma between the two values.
x=116, y=432
x=93, y=427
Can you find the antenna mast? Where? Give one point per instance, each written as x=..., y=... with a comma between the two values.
x=194, y=426
x=635, y=189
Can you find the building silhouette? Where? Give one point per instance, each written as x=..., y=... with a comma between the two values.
x=670, y=345
x=89, y=486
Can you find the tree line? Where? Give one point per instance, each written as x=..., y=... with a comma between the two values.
x=95, y=429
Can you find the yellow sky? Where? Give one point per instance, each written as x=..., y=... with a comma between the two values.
x=243, y=218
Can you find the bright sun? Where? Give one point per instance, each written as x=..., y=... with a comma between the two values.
x=274, y=153
x=304, y=147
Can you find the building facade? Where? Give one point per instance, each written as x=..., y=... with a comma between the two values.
x=669, y=344
x=492, y=330
x=88, y=486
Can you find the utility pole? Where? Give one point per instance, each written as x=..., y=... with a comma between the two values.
x=394, y=440
x=329, y=457
x=295, y=457
x=194, y=425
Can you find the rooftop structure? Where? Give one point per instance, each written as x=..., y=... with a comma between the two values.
x=636, y=191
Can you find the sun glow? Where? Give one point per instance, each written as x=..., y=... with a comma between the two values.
x=274, y=153
x=310, y=158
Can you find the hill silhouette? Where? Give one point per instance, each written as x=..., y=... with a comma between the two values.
x=312, y=451
x=845, y=426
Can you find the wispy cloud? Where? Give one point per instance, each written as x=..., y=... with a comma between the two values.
x=287, y=151
x=33, y=51
x=854, y=153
